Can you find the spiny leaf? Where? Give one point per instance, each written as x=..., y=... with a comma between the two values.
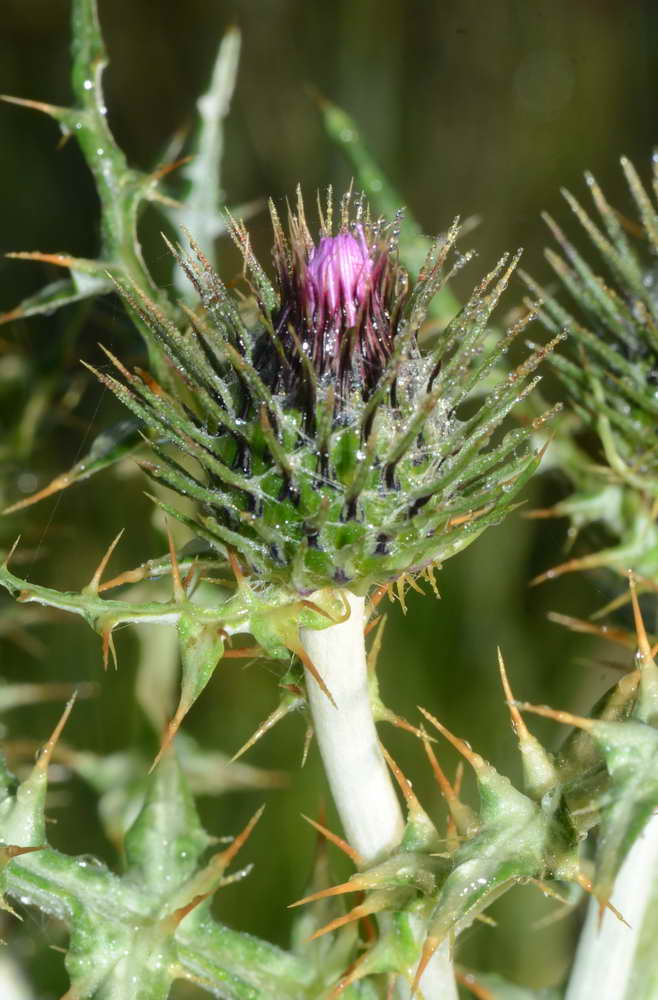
x=55, y=295
x=111, y=446
x=201, y=647
x=202, y=200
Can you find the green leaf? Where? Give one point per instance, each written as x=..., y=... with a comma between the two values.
x=202, y=202
x=630, y=750
x=108, y=448
x=128, y=940
x=201, y=647
x=55, y=295
x=165, y=843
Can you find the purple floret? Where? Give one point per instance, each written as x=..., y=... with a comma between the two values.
x=338, y=278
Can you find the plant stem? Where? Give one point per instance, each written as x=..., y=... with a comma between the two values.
x=356, y=771
x=614, y=960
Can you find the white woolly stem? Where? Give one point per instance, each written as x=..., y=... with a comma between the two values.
x=614, y=960
x=356, y=771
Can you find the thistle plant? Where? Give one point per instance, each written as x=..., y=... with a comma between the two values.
x=315, y=445
x=609, y=378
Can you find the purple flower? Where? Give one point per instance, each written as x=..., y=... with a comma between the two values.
x=340, y=302
x=338, y=276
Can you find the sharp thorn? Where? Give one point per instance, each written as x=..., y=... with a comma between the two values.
x=474, y=759
x=47, y=752
x=10, y=554
x=94, y=583
x=179, y=591
x=642, y=638
x=410, y=798
x=351, y=852
x=430, y=946
x=518, y=724
x=550, y=713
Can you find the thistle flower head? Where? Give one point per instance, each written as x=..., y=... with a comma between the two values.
x=612, y=371
x=328, y=447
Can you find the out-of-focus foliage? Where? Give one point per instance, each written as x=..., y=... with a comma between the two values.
x=609, y=376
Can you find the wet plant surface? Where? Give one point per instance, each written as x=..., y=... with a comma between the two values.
x=287, y=431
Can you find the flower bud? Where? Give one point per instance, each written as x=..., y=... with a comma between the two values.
x=338, y=280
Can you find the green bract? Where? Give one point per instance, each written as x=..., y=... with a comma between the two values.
x=327, y=446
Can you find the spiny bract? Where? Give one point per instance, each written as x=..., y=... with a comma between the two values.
x=329, y=448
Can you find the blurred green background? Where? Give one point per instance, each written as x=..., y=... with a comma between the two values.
x=471, y=108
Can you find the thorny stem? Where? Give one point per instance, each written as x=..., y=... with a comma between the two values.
x=614, y=960
x=356, y=771
x=122, y=191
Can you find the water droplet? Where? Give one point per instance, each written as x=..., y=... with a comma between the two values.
x=27, y=482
